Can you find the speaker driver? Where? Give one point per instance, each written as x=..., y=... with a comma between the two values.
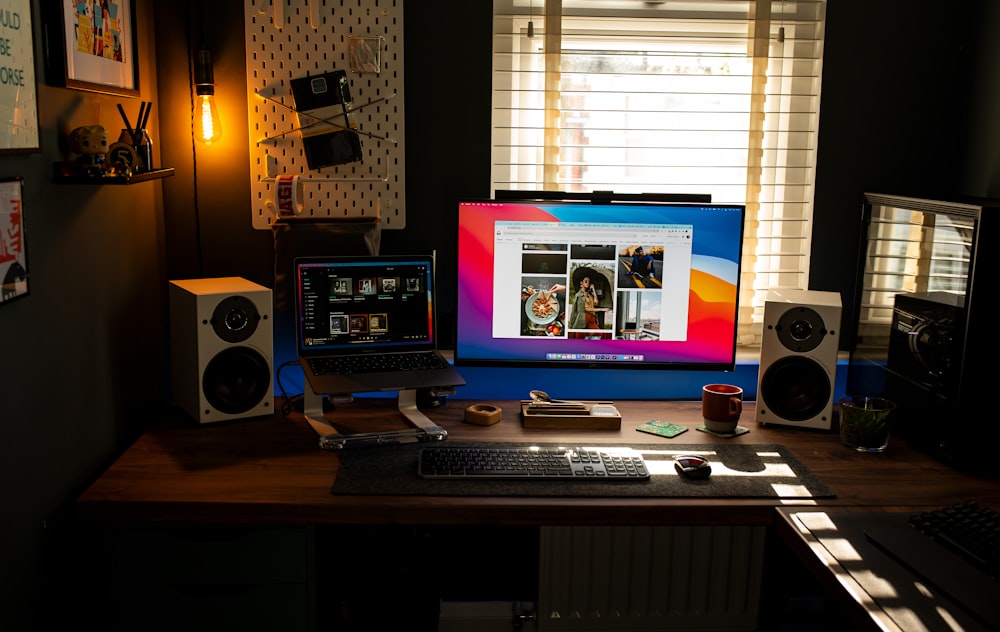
x=800, y=329
x=795, y=388
x=932, y=343
x=236, y=380
x=235, y=319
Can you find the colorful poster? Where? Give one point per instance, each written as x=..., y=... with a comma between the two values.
x=13, y=259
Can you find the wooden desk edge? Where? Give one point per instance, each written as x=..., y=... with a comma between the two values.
x=861, y=608
x=271, y=471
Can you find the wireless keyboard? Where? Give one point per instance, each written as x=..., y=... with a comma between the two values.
x=525, y=463
x=967, y=528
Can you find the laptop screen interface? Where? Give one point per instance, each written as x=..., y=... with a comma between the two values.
x=353, y=305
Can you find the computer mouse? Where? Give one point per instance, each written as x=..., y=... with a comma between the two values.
x=691, y=466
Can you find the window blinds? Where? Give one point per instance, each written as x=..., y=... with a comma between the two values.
x=699, y=96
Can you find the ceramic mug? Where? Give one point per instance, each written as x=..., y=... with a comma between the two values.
x=721, y=407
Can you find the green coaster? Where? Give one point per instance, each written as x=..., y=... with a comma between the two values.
x=662, y=428
x=739, y=430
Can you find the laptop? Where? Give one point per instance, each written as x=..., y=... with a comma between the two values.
x=358, y=311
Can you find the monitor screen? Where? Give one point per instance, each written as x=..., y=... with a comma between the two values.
x=598, y=284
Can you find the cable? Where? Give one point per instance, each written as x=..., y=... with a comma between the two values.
x=194, y=148
x=287, y=401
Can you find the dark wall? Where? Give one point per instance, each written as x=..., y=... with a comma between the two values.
x=448, y=131
x=898, y=86
x=83, y=353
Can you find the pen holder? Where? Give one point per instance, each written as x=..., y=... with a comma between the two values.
x=143, y=147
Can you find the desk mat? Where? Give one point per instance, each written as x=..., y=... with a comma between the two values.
x=738, y=471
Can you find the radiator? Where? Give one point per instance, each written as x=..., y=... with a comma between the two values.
x=604, y=579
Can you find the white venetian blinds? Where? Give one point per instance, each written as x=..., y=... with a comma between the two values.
x=681, y=96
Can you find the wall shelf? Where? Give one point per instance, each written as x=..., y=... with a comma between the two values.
x=155, y=174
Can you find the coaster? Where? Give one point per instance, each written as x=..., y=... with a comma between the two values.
x=662, y=428
x=739, y=430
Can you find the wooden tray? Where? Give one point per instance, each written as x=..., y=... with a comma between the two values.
x=593, y=416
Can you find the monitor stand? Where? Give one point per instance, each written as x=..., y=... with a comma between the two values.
x=329, y=439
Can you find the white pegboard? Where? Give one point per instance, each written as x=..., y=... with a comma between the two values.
x=287, y=39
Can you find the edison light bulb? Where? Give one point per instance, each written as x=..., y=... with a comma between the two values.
x=207, y=127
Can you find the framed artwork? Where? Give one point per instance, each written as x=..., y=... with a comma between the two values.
x=93, y=45
x=18, y=100
x=13, y=254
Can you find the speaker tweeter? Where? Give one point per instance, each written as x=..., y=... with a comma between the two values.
x=222, y=347
x=798, y=358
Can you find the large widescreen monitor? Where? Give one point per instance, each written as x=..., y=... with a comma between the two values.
x=601, y=283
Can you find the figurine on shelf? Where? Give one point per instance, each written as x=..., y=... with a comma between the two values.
x=90, y=146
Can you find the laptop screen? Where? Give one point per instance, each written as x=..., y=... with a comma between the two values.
x=360, y=304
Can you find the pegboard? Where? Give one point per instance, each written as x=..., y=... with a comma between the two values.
x=289, y=39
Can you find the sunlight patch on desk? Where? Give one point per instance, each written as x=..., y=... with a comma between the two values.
x=875, y=585
x=843, y=549
x=789, y=491
x=814, y=521
x=948, y=618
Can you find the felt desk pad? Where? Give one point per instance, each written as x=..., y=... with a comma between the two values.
x=738, y=471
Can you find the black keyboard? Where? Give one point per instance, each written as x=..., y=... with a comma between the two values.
x=968, y=529
x=531, y=463
x=346, y=365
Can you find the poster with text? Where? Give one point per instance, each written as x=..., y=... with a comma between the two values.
x=18, y=102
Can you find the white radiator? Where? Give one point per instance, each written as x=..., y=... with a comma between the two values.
x=604, y=579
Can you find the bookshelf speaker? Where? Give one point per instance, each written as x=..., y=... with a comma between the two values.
x=798, y=358
x=222, y=348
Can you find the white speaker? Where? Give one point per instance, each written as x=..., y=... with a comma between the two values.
x=222, y=348
x=798, y=358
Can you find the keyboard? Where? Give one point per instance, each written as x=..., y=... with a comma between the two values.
x=378, y=363
x=524, y=463
x=968, y=529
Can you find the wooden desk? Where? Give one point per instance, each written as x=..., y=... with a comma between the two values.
x=270, y=472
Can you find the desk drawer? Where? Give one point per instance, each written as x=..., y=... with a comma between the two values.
x=216, y=555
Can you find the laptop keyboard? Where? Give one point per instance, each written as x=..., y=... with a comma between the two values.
x=346, y=365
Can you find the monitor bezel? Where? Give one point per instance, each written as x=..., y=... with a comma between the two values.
x=607, y=198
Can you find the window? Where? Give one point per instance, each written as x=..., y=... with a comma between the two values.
x=686, y=96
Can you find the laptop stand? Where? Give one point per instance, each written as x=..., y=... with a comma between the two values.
x=330, y=439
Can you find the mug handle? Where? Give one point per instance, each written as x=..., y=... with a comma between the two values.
x=735, y=406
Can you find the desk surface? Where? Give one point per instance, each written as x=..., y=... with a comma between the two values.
x=270, y=470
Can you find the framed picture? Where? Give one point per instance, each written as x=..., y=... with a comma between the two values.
x=18, y=100
x=93, y=45
x=13, y=253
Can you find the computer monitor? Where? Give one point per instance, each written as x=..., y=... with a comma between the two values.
x=608, y=282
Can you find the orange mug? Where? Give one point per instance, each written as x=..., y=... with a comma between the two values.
x=721, y=406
